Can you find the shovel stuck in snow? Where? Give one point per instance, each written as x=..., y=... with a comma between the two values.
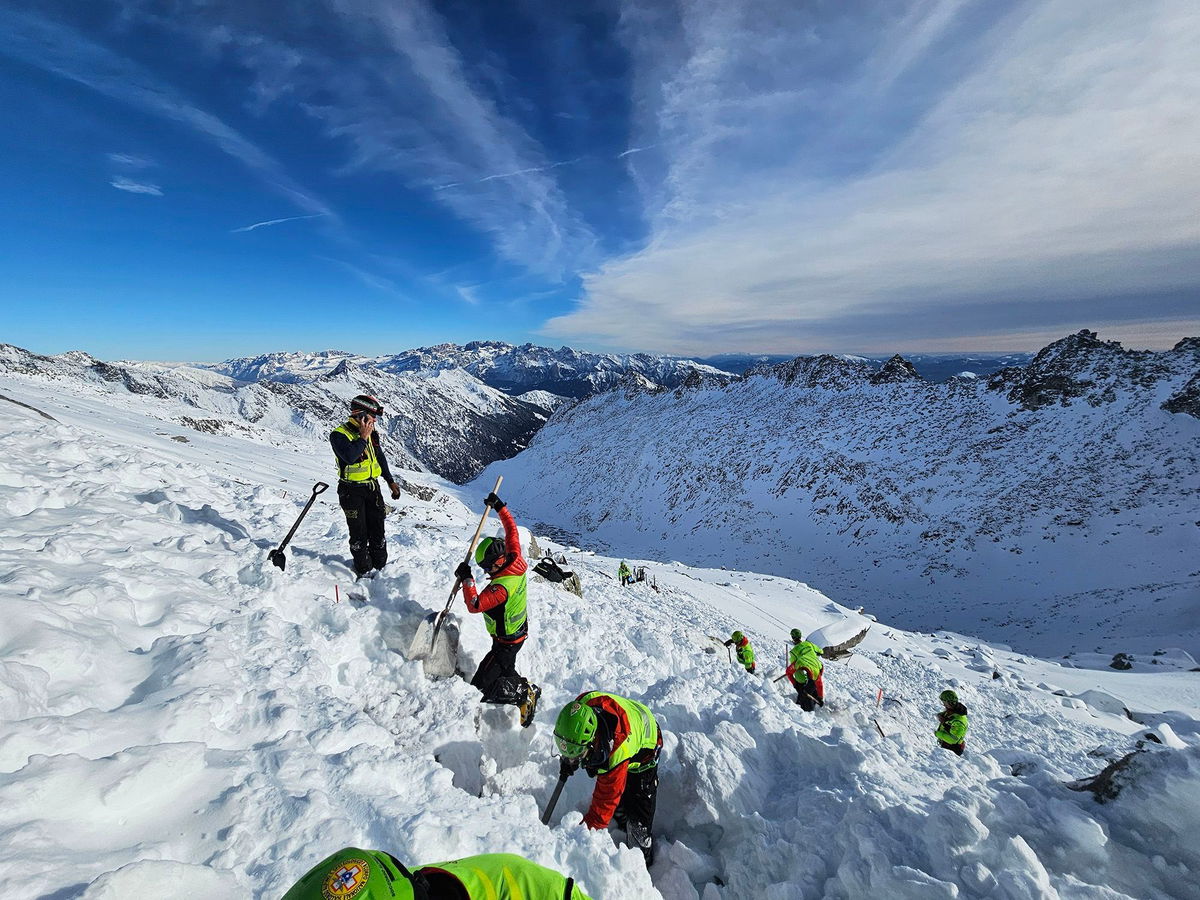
x=435, y=646
x=276, y=556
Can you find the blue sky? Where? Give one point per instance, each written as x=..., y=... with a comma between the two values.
x=200, y=179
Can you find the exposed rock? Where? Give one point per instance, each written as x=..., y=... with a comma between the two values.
x=896, y=370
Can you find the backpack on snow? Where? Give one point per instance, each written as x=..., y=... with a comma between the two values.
x=549, y=569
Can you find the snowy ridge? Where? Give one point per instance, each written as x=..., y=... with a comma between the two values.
x=1047, y=507
x=446, y=422
x=178, y=711
x=512, y=369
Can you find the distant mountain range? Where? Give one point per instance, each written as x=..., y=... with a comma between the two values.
x=513, y=369
x=1062, y=496
x=934, y=367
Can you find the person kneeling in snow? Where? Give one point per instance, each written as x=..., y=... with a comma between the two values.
x=617, y=741
x=375, y=875
x=951, y=731
x=805, y=671
x=745, y=653
x=502, y=603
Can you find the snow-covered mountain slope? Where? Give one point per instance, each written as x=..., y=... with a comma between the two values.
x=512, y=369
x=181, y=716
x=1050, y=507
x=446, y=422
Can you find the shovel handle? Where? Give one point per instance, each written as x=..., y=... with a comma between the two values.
x=562, y=780
x=437, y=626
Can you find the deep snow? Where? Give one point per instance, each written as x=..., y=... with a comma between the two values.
x=177, y=711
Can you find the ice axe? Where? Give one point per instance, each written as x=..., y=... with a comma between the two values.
x=276, y=556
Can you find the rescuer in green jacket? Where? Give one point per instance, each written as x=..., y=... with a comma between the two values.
x=617, y=741
x=951, y=732
x=623, y=574
x=360, y=463
x=745, y=652
x=355, y=874
x=805, y=671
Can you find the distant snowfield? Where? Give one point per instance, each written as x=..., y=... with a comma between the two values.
x=174, y=711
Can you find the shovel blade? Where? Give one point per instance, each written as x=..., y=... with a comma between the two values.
x=277, y=558
x=440, y=657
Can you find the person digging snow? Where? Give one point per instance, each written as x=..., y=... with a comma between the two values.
x=805, y=671
x=617, y=741
x=951, y=731
x=502, y=604
x=624, y=575
x=375, y=875
x=745, y=653
x=360, y=462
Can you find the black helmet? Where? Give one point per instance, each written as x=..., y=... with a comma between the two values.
x=366, y=403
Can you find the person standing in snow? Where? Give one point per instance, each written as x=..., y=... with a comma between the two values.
x=502, y=604
x=375, y=875
x=617, y=741
x=745, y=652
x=360, y=462
x=624, y=575
x=805, y=671
x=951, y=732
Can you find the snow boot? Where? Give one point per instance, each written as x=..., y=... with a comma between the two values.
x=639, y=836
x=529, y=707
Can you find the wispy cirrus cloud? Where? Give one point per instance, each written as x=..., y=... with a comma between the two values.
x=136, y=187
x=131, y=161
x=270, y=222
x=62, y=51
x=1040, y=166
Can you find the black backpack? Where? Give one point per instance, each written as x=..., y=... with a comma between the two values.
x=551, y=570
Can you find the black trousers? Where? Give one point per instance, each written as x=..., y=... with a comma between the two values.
x=497, y=677
x=362, y=502
x=640, y=798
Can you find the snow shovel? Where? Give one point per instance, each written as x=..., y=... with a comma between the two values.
x=276, y=556
x=441, y=659
x=563, y=775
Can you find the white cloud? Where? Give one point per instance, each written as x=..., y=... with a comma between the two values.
x=54, y=48
x=1061, y=164
x=270, y=222
x=134, y=187
x=130, y=161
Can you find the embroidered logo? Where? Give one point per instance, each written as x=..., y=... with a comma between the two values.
x=346, y=880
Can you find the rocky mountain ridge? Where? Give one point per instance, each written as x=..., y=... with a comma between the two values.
x=1064, y=488
x=446, y=422
x=513, y=369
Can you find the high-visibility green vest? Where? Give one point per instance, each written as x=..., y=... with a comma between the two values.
x=643, y=732
x=509, y=617
x=367, y=468
x=745, y=655
x=505, y=876
x=806, y=655
x=952, y=730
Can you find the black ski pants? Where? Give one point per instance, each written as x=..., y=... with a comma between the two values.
x=497, y=677
x=362, y=502
x=640, y=798
x=806, y=696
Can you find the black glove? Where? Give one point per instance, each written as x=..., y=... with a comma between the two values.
x=728, y=643
x=567, y=767
x=463, y=572
x=494, y=502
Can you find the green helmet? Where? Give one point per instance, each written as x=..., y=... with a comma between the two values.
x=488, y=551
x=357, y=874
x=737, y=636
x=574, y=729
x=948, y=697
x=797, y=636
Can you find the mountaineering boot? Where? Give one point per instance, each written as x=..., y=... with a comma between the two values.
x=639, y=836
x=529, y=707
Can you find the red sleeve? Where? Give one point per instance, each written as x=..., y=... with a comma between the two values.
x=611, y=785
x=605, y=798
x=790, y=670
x=512, y=543
x=493, y=595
